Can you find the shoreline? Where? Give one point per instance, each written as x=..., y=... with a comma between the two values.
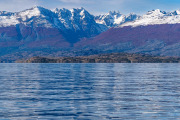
x=104, y=58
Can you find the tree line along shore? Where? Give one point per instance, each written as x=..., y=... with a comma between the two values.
x=105, y=58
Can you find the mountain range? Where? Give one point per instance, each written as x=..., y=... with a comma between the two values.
x=62, y=32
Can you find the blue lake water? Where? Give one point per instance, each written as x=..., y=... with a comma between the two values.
x=90, y=91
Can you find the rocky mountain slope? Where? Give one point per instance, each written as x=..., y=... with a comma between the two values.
x=152, y=39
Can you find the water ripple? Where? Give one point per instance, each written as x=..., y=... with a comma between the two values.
x=90, y=91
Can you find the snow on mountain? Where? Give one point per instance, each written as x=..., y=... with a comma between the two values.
x=155, y=17
x=176, y=12
x=64, y=16
x=8, y=21
x=38, y=17
x=114, y=18
x=29, y=13
x=110, y=19
x=75, y=19
x=79, y=20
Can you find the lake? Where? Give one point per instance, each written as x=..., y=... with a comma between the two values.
x=90, y=91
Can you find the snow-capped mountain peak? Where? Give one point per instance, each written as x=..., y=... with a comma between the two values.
x=176, y=12
x=115, y=18
x=156, y=12
x=155, y=17
x=35, y=11
x=37, y=16
x=79, y=12
x=76, y=18
x=110, y=19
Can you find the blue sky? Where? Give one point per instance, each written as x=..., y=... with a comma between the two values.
x=94, y=6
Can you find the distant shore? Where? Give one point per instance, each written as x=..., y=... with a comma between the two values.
x=105, y=58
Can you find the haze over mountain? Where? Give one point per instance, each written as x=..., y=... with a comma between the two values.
x=61, y=32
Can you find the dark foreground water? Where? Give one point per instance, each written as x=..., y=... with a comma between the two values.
x=90, y=91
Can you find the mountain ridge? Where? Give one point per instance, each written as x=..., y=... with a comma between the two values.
x=110, y=19
x=41, y=32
